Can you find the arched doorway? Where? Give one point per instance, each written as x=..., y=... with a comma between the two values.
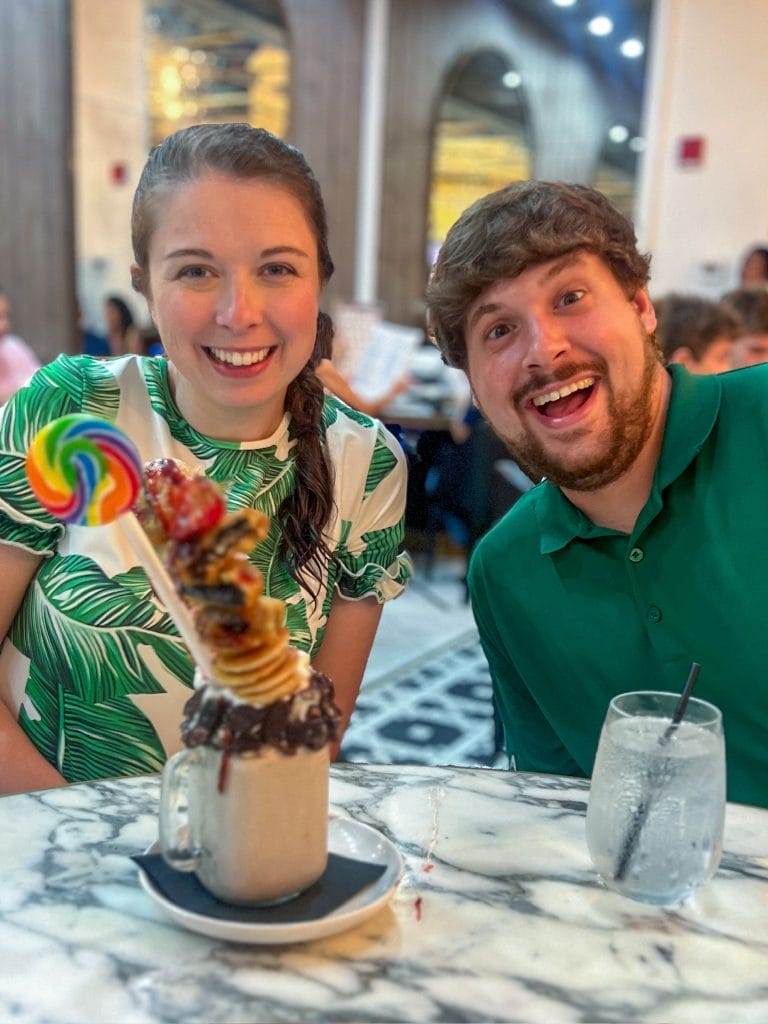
x=480, y=141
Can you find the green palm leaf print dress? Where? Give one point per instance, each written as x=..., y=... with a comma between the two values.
x=92, y=665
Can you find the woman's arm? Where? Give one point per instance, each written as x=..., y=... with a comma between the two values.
x=22, y=766
x=344, y=653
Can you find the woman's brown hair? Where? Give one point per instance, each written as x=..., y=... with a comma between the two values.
x=244, y=152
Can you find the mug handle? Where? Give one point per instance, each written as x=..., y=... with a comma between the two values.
x=179, y=833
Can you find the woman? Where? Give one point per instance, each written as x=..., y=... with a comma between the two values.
x=122, y=335
x=230, y=244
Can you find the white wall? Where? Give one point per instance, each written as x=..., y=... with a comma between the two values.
x=709, y=77
x=110, y=127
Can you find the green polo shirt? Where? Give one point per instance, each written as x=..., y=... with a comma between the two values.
x=571, y=613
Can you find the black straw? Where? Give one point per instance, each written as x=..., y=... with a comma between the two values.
x=638, y=819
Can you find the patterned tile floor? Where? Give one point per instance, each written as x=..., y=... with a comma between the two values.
x=435, y=710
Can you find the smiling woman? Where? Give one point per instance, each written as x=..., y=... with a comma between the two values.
x=229, y=237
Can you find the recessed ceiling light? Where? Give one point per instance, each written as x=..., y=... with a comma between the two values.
x=512, y=79
x=637, y=144
x=600, y=26
x=632, y=48
x=563, y=3
x=618, y=133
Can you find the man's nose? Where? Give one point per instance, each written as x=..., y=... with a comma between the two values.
x=241, y=304
x=547, y=343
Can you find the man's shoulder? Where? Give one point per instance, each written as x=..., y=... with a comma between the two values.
x=514, y=539
x=746, y=381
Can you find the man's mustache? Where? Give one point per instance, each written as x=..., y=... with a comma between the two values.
x=540, y=381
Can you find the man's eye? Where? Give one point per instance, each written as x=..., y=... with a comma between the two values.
x=570, y=298
x=497, y=331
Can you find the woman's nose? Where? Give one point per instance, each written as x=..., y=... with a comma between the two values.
x=241, y=305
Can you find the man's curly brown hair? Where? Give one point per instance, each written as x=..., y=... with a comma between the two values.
x=504, y=233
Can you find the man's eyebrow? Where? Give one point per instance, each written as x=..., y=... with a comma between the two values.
x=487, y=307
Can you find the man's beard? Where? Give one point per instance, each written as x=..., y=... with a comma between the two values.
x=629, y=426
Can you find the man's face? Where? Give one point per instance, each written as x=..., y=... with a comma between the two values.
x=749, y=350
x=5, y=316
x=716, y=358
x=562, y=365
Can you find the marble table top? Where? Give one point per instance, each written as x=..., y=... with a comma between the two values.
x=499, y=917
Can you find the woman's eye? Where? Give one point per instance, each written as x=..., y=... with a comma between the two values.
x=570, y=298
x=278, y=270
x=195, y=273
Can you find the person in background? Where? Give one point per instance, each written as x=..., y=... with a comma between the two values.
x=642, y=548
x=17, y=360
x=337, y=384
x=754, y=269
x=122, y=334
x=695, y=332
x=750, y=306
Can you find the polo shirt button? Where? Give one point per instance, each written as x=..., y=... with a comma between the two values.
x=654, y=614
x=636, y=555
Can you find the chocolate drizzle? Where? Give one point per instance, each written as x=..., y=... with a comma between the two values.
x=307, y=719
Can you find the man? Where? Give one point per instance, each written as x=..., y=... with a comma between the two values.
x=696, y=333
x=644, y=548
x=750, y=305
x=17, y=360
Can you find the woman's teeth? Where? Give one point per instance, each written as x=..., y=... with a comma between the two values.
x=563, y=392
x=233, y=358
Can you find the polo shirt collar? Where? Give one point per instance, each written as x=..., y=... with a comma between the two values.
x=693, y=408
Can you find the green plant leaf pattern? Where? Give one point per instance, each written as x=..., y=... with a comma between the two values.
x=94, y=650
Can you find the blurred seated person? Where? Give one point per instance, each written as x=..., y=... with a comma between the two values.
x=335, y=382
x=122, y=334
x=17, y=360
x=695, y=332
x=750, y=305
x=754, y=269
x=91, y=343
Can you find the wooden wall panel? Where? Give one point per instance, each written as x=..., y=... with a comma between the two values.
x=36, y=205
x=326, y=40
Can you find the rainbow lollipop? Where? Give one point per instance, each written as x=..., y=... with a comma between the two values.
x=84, y=470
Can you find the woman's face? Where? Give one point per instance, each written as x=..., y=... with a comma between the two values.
x=233, y=289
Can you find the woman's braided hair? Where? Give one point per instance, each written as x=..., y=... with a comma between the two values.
x=244, y=152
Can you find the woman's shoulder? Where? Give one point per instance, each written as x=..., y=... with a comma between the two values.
x=360, y=446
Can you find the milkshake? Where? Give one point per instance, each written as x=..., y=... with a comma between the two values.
x=254, y=775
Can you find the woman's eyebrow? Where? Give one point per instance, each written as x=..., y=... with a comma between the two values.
x=275, y=249
x=203, y=253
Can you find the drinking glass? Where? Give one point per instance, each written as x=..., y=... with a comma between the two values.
x=657, y=800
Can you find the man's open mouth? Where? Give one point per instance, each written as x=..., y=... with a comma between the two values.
x=236, y=357
x=565, y=400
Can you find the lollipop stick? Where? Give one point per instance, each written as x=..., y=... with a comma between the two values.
x=166, y=591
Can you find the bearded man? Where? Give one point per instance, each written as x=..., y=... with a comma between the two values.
x=643, y=547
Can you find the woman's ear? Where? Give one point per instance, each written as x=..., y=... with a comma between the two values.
x=140, y=284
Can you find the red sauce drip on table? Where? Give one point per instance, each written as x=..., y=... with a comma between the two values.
x=417, y=907
x=223, y=770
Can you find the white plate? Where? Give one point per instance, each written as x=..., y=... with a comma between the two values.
x=345, y=837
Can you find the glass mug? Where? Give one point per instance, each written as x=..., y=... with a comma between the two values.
x=253, y=826
x=657, y=800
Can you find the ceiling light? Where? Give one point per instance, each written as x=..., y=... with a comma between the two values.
x=512, y=79
x=632, y=48
x=637, y=144
x=600, y=26
x=618, y=133
x=563, y=3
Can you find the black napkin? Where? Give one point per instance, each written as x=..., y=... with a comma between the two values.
x=342, y=879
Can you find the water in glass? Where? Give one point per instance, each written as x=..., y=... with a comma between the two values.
x=657, y=801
